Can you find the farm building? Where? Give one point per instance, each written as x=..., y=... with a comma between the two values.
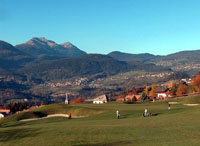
x=162, y=93
x=101, y=99
x=132, y=97
x=120, y=99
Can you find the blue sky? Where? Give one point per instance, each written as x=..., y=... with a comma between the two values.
x=101, y=26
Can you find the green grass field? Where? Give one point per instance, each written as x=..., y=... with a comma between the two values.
x=178, y=127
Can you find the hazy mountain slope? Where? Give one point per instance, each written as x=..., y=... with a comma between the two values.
x=10, y=57
x=184, y=55
x=42, y=46
x=80, y=66
x=83, y=66
x=145, y=57
x=181, y=61
x=71, y=50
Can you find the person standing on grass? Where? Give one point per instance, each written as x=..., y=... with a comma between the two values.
x=145, y=112
x=70, y=116
x=118, y=114
x=169, y=106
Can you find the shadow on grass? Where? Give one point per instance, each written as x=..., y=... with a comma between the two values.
x=118, y=143
x=156, y=114
x=151, y=115
x=125, y=116
x=14, y=134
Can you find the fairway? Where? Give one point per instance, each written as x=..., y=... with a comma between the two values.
x=179, y=126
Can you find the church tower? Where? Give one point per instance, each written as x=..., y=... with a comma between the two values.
x=67, y=99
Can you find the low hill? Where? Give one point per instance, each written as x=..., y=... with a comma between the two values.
x=185, y=55
x=149, y=67
x=53, y=109
x=84, y=66
x=181, y=61
x=187, y=61
x=80, y=66
x=145, y=57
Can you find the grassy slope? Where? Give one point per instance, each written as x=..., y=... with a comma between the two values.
x=180, y=126
x=192, y=100
x=51, y=109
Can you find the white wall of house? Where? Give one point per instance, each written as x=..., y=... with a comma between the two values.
x=163, y=95
x=1, y=116
x=98, y=102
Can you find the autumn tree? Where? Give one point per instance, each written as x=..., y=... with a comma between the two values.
x=181, y=90
x=77, y=100
x=196, y=82
x=152, y=93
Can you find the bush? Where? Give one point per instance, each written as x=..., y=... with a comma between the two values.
x=77, y=100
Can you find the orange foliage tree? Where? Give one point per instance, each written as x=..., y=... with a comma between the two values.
x=181, y=90
x=77, y=100
x=196, y=82
x=152, y=93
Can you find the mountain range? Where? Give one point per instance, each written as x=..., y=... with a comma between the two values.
x=41, y=58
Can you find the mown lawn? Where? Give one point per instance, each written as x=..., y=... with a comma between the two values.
x=178, y=127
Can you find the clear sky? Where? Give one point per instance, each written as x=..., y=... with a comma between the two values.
x=101, y=26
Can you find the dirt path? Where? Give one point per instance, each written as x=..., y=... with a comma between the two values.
x=53, y=115
x=173, y=102
x=191, y=104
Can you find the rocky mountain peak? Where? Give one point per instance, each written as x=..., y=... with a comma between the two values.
x=68, y=45
x=41, y=41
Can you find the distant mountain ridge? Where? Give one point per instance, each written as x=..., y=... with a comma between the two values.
x=42, y=51
x=144, y=57
x=186, y=61
x=42, y=46
x=178, y=57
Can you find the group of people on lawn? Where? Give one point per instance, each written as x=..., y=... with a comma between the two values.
x=145, y=114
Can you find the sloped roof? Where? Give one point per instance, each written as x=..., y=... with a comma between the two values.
x=100, y=98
